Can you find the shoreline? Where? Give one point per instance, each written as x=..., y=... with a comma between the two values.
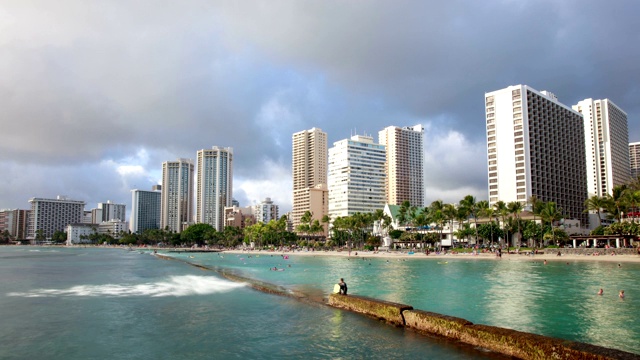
x=461, y=256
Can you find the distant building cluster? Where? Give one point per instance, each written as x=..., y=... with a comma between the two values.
x=536, y=147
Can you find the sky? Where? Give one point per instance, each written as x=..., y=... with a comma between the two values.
x=95, y=95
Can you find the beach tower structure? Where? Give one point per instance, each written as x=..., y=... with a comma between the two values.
x=535, y=147
x=309, y=172
x=634, y=159
x=356, y=176
x=214, y=190
x=51, y=215
x=177, y=194
x=145, y=210
x=606, y=140
x=404, y=164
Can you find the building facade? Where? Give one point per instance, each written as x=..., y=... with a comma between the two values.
x=265, y=211
x=239, y=217
x=606, y=141
x=145, y=210
x=214, y=189
x=15, y=222
x=404, y=164
x=535, y=147
x=356, y=176
x=51, y=215
x=79, y=233
x=177, y=195
x=634, y=160
x=110, y=211
x=309, y=170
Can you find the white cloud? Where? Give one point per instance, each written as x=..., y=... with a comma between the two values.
x=272, y=180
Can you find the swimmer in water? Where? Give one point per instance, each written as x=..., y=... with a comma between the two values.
x=600, y=292
x=621, y=294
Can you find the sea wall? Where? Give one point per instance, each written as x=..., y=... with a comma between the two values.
x=505, y=341
x=383, y=310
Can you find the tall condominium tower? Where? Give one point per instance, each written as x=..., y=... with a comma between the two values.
x=404, y=164
x=214, y=185
x=177, y=194
x=51, y=215
x=634, y=159
x=535, y=147
x=356, y=176
x=309, y=171
x=111, y=211
x=607, y=141
x=145, y=210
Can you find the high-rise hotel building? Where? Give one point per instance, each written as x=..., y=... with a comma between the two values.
x=535, y=147
x=309, y=171
x=145, y=210
x=607, y=141
x=634, y=159
x=356, y=176
x=214, y=190
x=404, y=164
x=51, y=215
x=177, y=194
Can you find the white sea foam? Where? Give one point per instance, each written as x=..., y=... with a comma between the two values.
x=174, y=286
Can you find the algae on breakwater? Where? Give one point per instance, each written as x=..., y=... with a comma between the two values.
x=504, y=341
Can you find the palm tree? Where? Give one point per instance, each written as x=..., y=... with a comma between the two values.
x=450, y=213
x=469, y=203
x=632, y=198
x=501, y=210
x=551, y=213
x=617, y=203
x=515, y=208
x=437, y=217
x=482, y=207
x=596, y=203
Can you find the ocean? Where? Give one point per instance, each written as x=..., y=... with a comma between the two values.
x=100, y=303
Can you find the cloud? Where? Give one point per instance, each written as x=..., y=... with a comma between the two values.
x=87, y=85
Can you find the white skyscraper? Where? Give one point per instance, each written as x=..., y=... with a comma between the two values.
x=404, y=164
x=111, y=211
x=145, y=210
x=535, y=146
x=356, y=176
x=177, y=194
x=51, y=215
x=214, y=185
x=607, y=145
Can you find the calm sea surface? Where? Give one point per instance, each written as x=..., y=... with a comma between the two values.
x=558, y=299
x=87, y=303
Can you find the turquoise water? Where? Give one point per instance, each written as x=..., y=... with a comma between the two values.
x=112, y=304
x=558, y=299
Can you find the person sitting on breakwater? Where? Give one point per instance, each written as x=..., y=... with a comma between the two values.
x=343, y=286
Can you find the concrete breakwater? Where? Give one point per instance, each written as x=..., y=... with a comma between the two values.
x=505, y=341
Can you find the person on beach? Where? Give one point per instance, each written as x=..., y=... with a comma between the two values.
x=600, y=292
x=621, y=294
x=343, y=287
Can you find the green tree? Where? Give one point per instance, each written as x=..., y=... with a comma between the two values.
x=515, y=208
x=196, y=233
x=59, y=237
x=471, y=209
x=502, y=211
x=596, y=204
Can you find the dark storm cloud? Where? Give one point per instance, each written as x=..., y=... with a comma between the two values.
x=88, y=84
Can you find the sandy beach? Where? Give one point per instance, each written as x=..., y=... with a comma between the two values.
x=466, y=256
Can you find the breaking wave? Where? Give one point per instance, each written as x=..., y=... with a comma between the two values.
x=174, y=286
